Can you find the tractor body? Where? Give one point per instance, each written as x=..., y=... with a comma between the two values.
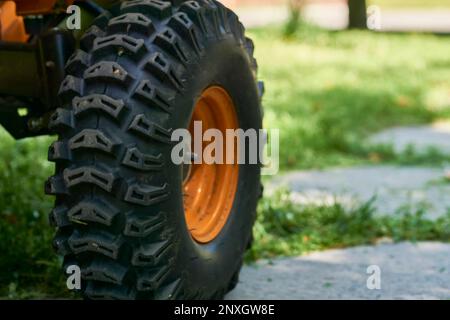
x=35, y=43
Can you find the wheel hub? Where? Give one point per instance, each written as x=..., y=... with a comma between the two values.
x=209, y=189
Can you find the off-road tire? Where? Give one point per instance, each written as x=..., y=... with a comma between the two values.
x=119, y=201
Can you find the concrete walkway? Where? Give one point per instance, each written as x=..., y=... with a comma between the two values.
x=421, y=137
x=334, y=16
x=407, y=271
x=394, y=188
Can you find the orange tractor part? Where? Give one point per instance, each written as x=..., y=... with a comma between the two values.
x=12, y=27
x=210, y=189
x=27, y=7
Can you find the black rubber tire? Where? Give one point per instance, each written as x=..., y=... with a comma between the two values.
x=119, y=202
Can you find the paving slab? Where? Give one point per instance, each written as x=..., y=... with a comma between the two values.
x=407, y=271
x=422, y=138
x=393, y=188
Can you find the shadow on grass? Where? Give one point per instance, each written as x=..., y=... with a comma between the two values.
x=329, y=127
x=328, y=91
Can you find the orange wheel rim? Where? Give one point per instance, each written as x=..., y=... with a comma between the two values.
x=209, y=189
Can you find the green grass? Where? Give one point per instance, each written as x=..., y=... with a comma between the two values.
x=328, y=91
x=284, y=228
x=27, y=263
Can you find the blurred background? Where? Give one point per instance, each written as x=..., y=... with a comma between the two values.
x=382, y=15
x=338, y=75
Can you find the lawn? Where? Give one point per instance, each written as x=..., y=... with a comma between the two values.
x=329, y=90
x=326, y=92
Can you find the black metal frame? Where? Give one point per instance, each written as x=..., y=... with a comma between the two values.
x=31, y=73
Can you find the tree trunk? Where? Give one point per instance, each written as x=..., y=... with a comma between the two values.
x=357, y=14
